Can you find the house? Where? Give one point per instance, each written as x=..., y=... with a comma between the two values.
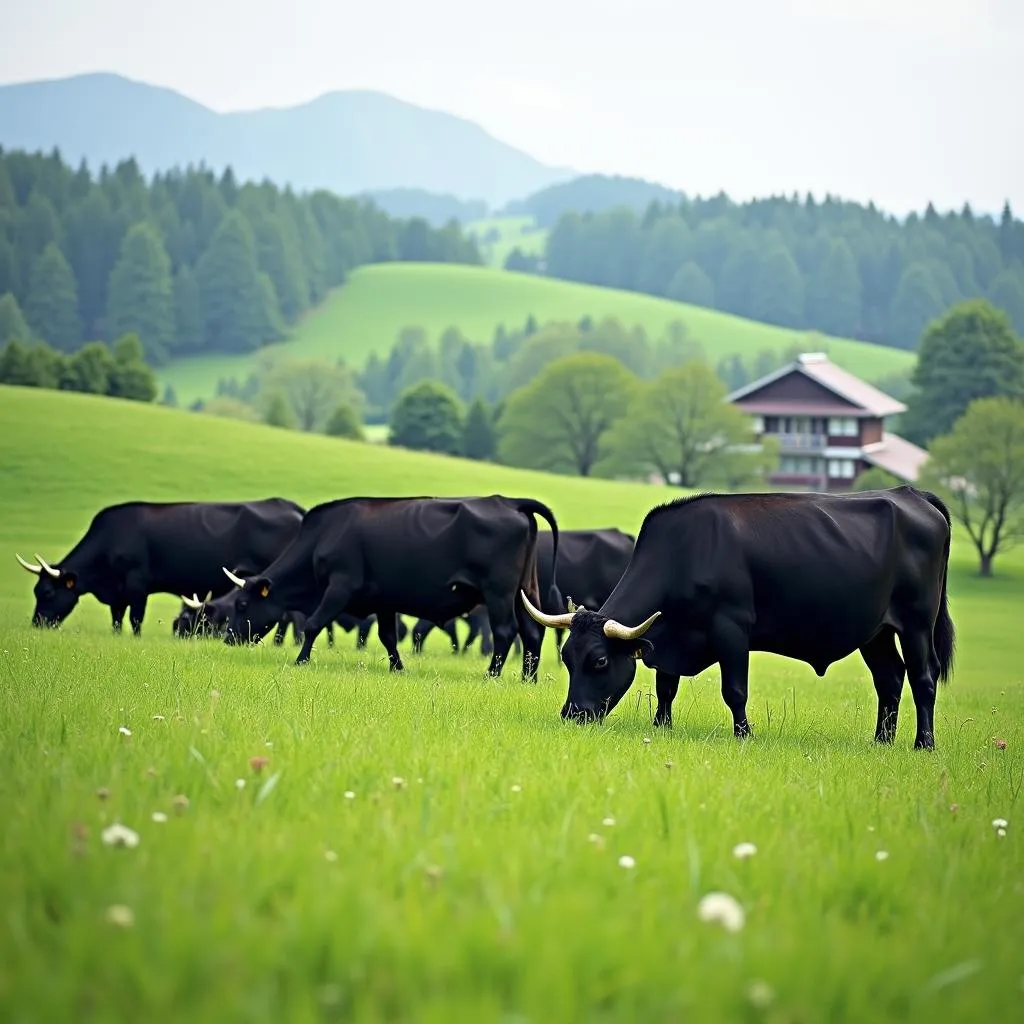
x=829, y=423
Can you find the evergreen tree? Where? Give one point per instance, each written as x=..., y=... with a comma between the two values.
x=1006, y=293
x=52, y=305
x=12, y=324
x=169, y=397
x=91, y=369
x=234, y=300
x=479, y=436
x=690, y=284
x=92, y=241
x=834, y=289
x=278, y=412
x=917, y=303
x=188, y=312
x=141, y=295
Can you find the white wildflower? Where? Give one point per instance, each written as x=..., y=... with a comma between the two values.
x=349, y=795
x=607, y=822
x=760, y=995
x=159, y=817
x=120, y=835
x=595, y=839
x=125, y=731
x=330, y=855
x=882, y=855
x=721, y=908
x=158, y=718
x=517, y=788
x=627, y=862
x=239, y=783
x=743, y=850
x=647, y=739
x=1000, y=832
x=1000, y=823
x=120, y=915
x=398, y=782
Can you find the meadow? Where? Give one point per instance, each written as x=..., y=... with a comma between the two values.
x=367, y=312
x=498, y=236
x=333, y=842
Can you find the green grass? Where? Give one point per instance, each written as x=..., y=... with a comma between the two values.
x=366, y=314
x=513, y=232
x=457, y=896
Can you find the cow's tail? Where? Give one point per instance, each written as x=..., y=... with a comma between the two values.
x=944, y=633
x=530, y=506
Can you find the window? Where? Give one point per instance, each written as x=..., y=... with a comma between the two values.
x=758, y=424
x=842, y=469
x=800, y=465
x=842, y=426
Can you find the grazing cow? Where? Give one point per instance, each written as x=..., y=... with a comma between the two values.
x=812, y=577
x=476, y=619
x=140, y=548
x=436, y=558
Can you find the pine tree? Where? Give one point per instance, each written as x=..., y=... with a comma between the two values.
x=141, y=296
x=52, y=304
x=690, y=284
x=188, y=312
x=12, y=324
x=91, y=369
x=834, y=290
x=479, y=436
x=234, y=299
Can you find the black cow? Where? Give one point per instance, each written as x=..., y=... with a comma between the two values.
x=812, y=577
x=436, y=558
x=140, y=548
x=476, y=619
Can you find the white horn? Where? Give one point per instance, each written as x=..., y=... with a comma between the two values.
x=551, y=621
x=617, y=631
x=208, y=598
x=237, y=580
x=192, y=602
x=37, y=569
x=49, y=568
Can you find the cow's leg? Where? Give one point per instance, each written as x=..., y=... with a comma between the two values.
x=732, y=646
x=474, y=632
x=282, y=630
x=502, y=615
x=331, y=605
x=137, y=612
x=921, y=674
x=419, y=634
x=117, y=612
x=453, y=636
x=330, y=634
x=364, y=631
x=667, y=686
x=486, y=637
x=387, y=633
x=887, y=671
x=532, y=634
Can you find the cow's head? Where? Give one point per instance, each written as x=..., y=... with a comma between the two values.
x=255, y=611
x=198, y=617
x=56, y=592
x=601, y=656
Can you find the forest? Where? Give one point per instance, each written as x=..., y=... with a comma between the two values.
x=188, y=261
x=838, y=267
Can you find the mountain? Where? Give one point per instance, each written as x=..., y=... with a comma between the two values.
x=592, y=193
x=348, y=142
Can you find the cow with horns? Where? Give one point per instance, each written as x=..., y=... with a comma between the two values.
x=813, y=577
x=140, y=548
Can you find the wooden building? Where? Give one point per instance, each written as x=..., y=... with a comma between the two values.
x=829, y=423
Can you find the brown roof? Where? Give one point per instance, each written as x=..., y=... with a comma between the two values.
x=816, y=366
x=896, y=455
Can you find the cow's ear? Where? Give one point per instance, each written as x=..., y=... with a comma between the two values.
x=70, y=579
x=644, y=648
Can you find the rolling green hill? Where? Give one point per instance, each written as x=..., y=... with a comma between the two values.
x=366, y=314
x=496, y=237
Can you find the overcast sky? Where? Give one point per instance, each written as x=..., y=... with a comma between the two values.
x=899, y=101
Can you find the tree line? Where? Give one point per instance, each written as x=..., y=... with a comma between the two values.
x=838, y=267
x=189, y=261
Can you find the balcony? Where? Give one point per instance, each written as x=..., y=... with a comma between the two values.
x=801, y=442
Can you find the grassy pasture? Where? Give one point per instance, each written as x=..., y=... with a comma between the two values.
x=470, y=889
x=512, y=232
x=366, y=314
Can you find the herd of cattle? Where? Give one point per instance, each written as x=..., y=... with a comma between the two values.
x=813, y=577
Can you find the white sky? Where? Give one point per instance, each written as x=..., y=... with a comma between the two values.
x=899, y=101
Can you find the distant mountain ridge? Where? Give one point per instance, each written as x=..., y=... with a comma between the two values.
x=349, y=141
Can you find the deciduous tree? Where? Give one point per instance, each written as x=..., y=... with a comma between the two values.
x=427, y=416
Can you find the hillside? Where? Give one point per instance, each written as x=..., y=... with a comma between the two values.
x=496, y=237
x=88, y=451
x=349, y=142
x=366, y=314
x=592, y=193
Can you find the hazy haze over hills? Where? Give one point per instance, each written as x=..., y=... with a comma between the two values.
x=894, y=101
x=345, y=141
